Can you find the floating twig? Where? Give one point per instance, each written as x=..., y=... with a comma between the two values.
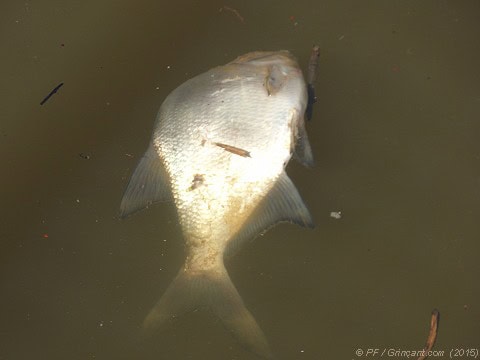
x=235, y=11
x=311, y=77
x=233, y=149
x=432, y=335
x=313, y=65
x=51, y=93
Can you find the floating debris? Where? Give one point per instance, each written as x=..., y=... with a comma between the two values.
x=311, y=77
x=336, y=215
x=234, y=11
x=233, y=149
x=432, y=335
x=395, y=68
x=292, y=20
x=51, y=93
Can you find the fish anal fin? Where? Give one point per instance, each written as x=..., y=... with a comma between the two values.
x=148, y=184
x=282, y=204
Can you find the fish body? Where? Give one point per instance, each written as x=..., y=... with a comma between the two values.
x=219, y=148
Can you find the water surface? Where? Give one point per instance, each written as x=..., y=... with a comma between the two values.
x=395, y=137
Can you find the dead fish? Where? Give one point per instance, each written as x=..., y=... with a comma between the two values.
x=219, y=148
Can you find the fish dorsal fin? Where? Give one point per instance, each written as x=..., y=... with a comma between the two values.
x=303, y=151
x=148, y=184
x=282, y=204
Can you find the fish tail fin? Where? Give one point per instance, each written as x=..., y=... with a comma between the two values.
x=214, y=290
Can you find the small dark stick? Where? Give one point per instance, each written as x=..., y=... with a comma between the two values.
x=311, y=77
x=233, y=149
x=51, y=93
x=432, y=335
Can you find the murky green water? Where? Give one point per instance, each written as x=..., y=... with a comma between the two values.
x=395, y=136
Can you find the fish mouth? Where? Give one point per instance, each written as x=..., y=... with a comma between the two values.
x=267, y=58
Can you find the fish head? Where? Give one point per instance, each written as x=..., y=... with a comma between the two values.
x=284, y=83
x=283, y=76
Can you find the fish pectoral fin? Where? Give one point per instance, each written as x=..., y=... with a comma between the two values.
x=148, y=184
x=303, y=151
x=213, y=290
x=283, y=203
